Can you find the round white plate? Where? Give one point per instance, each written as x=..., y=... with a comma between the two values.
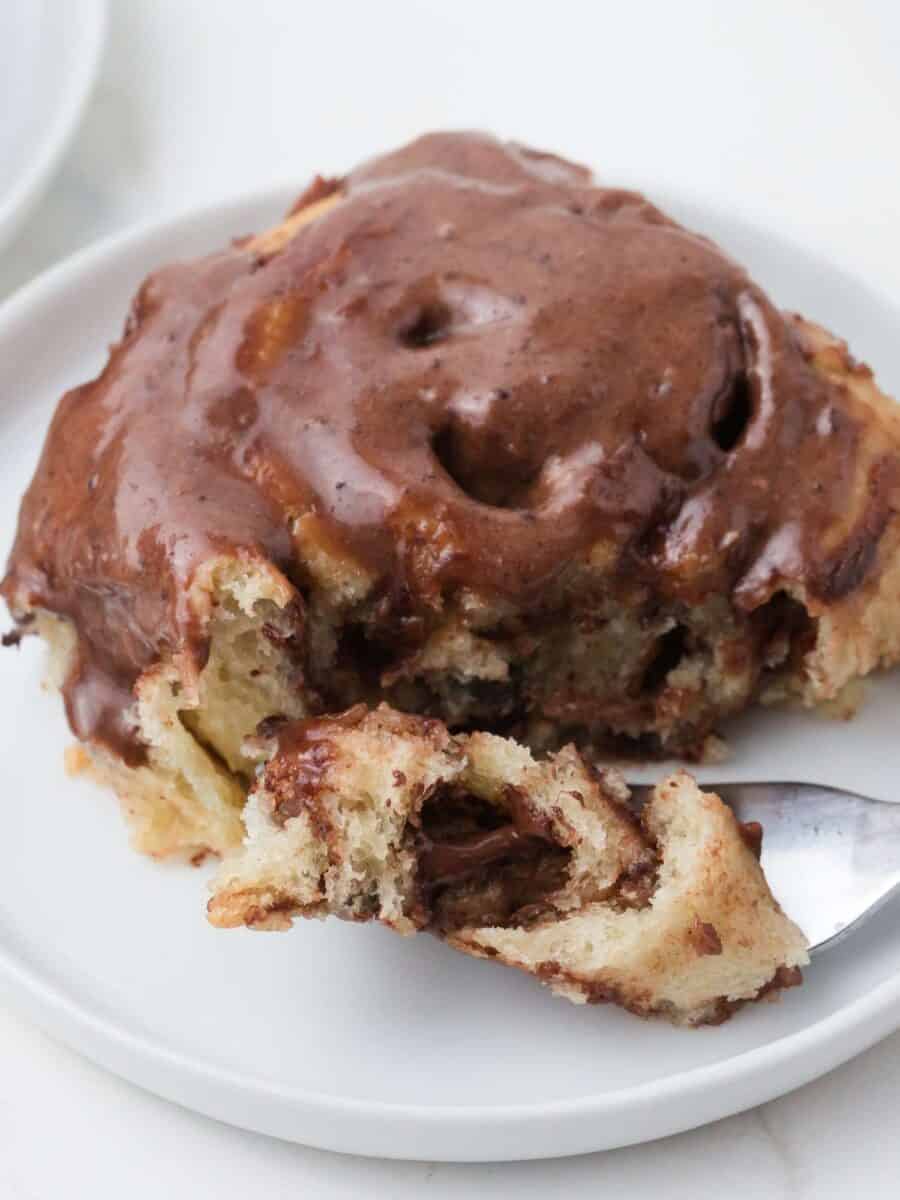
x=49, y=56
x=349, y=1037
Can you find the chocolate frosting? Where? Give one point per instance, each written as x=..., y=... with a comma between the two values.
x=473, y=367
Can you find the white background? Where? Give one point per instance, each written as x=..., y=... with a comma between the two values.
x=786, y=111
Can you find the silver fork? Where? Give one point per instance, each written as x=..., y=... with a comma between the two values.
x=832, y=858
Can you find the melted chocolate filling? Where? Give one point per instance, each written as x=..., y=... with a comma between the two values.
x=483, y=863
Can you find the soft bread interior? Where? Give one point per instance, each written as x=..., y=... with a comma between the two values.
x=710, y=935
x=187, y=796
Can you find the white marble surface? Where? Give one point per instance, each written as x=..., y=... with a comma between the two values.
x=788, y=113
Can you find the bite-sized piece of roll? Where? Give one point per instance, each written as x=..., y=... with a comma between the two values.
x=540, y=865
x=472, y=435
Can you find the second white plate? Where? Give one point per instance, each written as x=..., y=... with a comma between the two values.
x=351, y=1038
x=49, y=57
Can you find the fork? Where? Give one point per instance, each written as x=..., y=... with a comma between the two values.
x=831, y=857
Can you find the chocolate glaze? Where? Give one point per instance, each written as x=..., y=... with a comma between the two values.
x=306, y=752
x=471, y=367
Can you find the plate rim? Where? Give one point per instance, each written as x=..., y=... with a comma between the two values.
x=91, y=19
x=348, y=1124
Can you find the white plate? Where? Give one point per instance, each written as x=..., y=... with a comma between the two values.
x=49, y=56
x=349, y=1037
